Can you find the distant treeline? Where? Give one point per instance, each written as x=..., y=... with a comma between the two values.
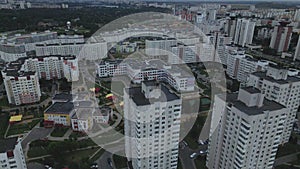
x=46, y=19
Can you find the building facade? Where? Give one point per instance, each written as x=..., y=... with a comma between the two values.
x=276, y=85
x=244, y=32
x=152, y=126
x=60, y=113
x=21, y=87
x=11, y=154
x=154, y=69
x=281, y=37
x=240, y=66
x=297, y=52
x=245, y=131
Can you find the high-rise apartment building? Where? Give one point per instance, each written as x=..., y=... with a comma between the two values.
x=244, y=32
x=245, y=131
x=52, y=67
x=297, y=52
x=230, y=26
x=21, y=87
x=281, y=37
x=240, y=66
x=276, y=85
x=152, y=125
x=297, y=15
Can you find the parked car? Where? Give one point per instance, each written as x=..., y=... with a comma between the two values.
x=94, y=166
x=202, y=142
x=203, y=152
x=193, y=155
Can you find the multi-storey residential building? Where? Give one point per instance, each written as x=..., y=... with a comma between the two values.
x=240, y=66
x=111, y=68
x=60, y=113
x=230, y=26
x=21, y=87
x=281, y=37
x=276, y=85
x=13, y=48
x=138, y=71
x=11, y=154
x=152, y=125
x=244, y=32
x=228, y=49
x=12, y=52
x=163, y=46
x=90, y=50
x=182, y=54
x=219, y=42
x=49, y=43
x=160, y=46
x=52, y=67
x=297, y=15
x=70, y=68
x=245, y=131
x=264, y=33
x=297, y=52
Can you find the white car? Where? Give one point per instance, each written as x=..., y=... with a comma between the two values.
x=203, y=152
x=193, y=155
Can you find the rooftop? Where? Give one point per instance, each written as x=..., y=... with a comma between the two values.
x=60, y=108
x=83, y=113
x=102, y=111
x=63, y=96
x=232, y=98
x=288, y=80
x=251, y=89
x=140, y=100
x=7, y=144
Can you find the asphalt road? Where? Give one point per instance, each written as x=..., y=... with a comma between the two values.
x=102, y=161
x=35, y=134
x=184, y=155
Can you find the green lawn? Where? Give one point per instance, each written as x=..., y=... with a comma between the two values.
x=4, y=102
x=3, y=123
x=76, y=156
x=179, y=165
x=120, y=162
x=59, y=131
x=200, y=162
x=38, y=148
x=287, y=149
x=97, y=155
x=286, y=167
x=21, y=128
x=37, y=152
x=86, y=143
x=109, y=138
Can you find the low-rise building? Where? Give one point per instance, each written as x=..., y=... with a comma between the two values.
x=139, y=70
x=60, y=113
x=102, y=115
x=82, y=119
